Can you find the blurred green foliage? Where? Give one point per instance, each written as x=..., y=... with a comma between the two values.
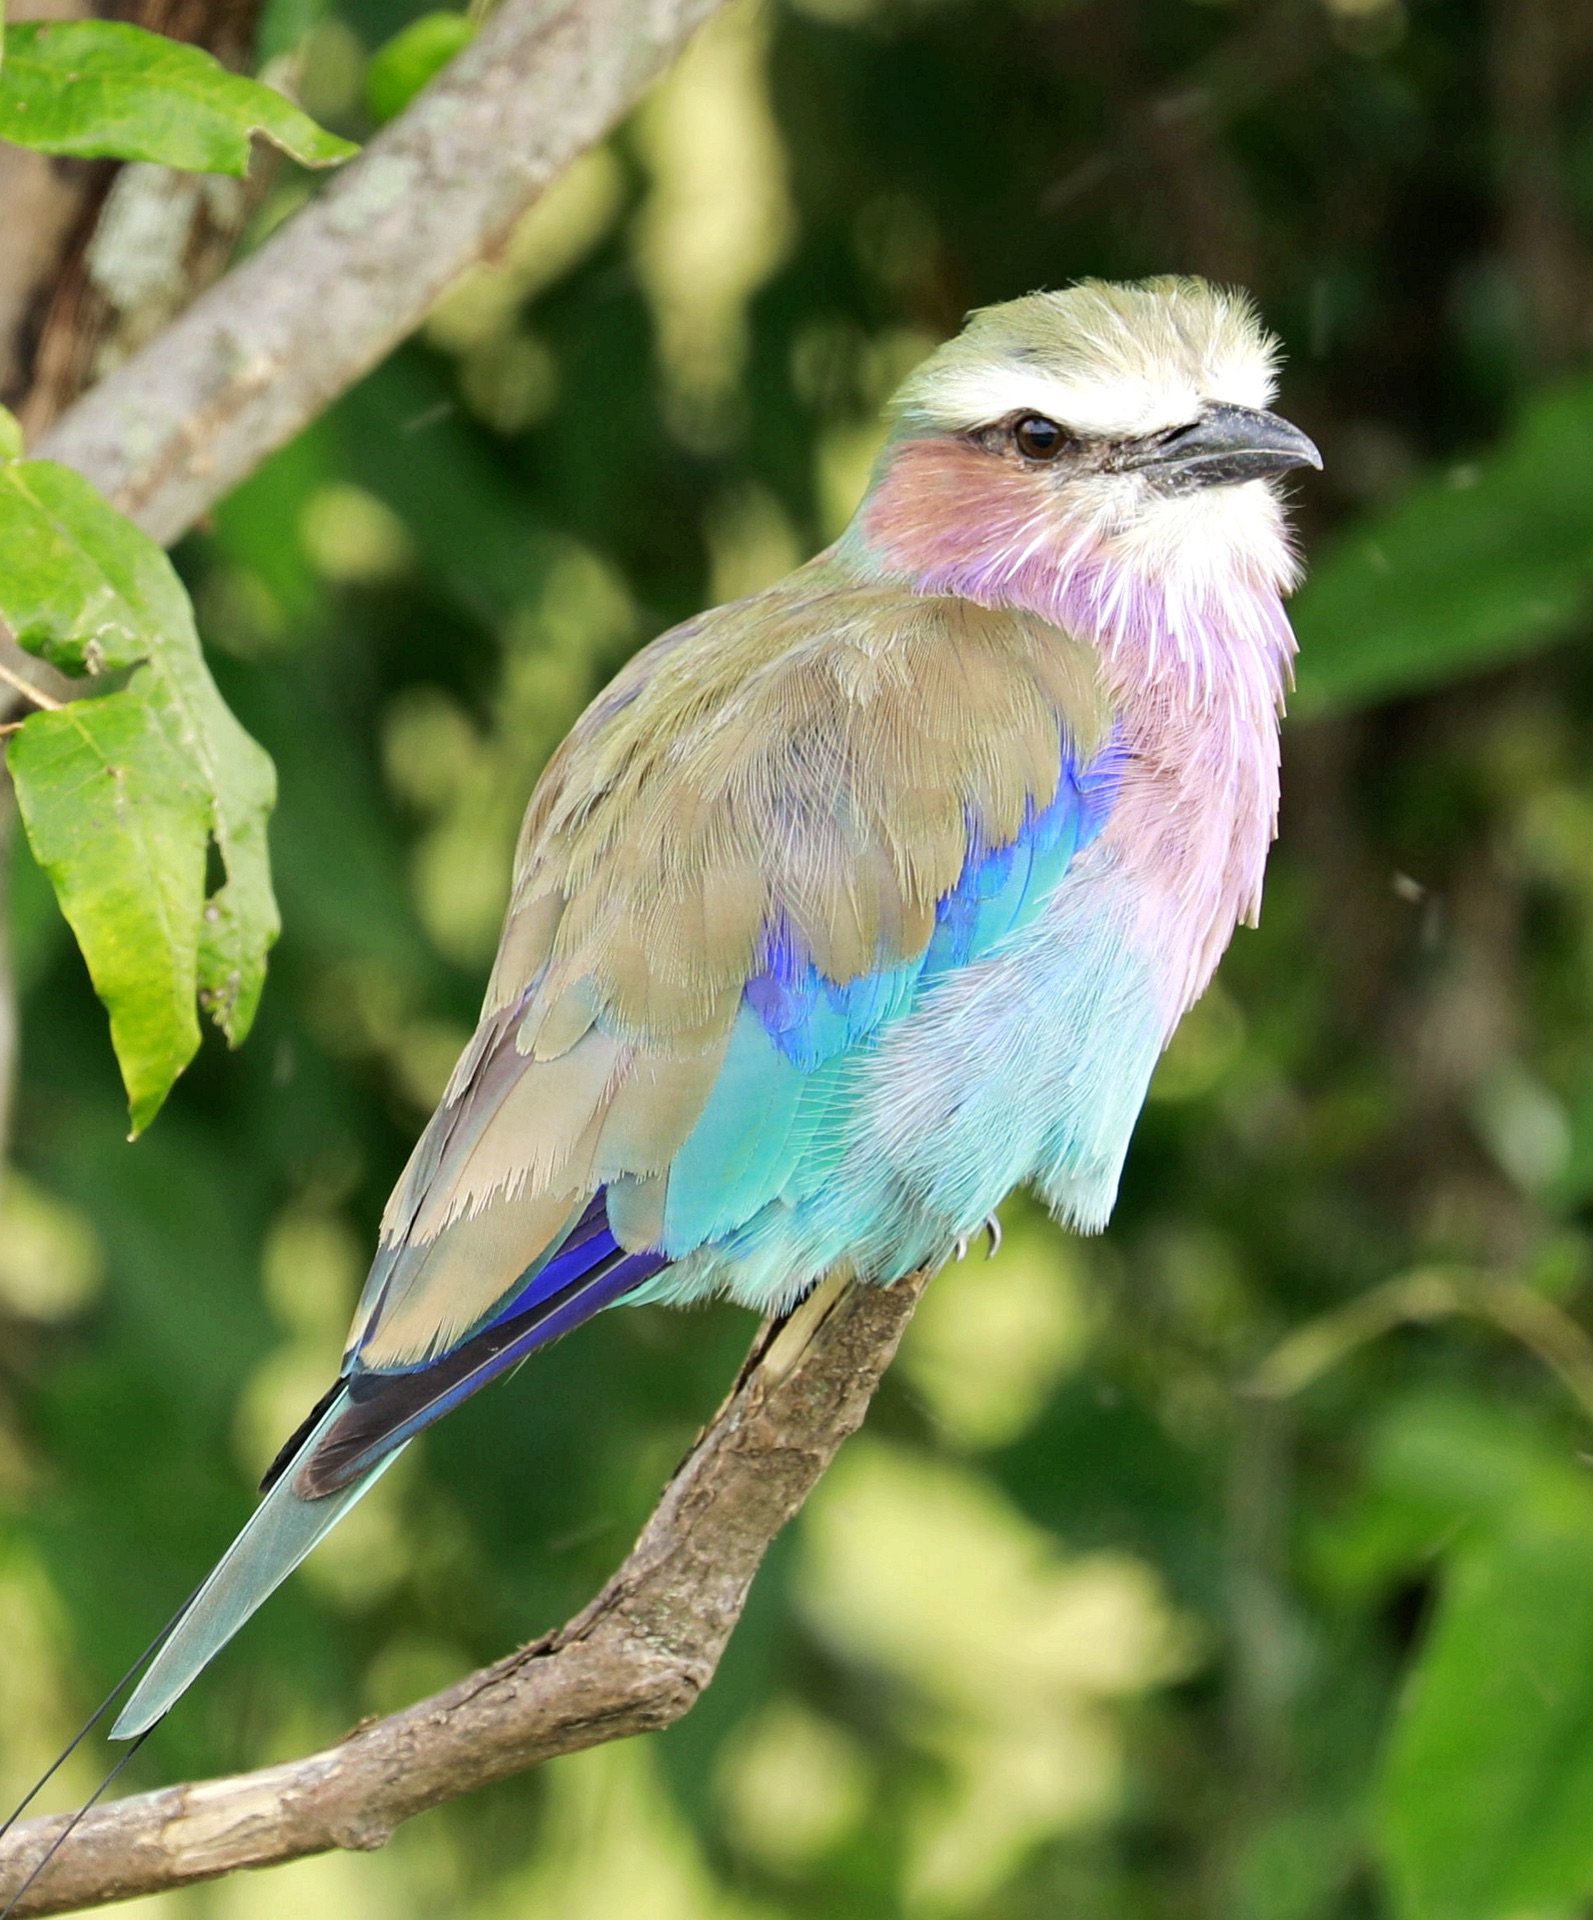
x=1237, y=1564
x=417, y=54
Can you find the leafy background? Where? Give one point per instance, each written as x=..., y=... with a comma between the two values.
x=1239, y=1563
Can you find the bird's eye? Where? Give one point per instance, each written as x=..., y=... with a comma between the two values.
x=1037, y=438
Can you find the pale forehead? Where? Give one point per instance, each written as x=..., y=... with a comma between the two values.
x=1105, y=360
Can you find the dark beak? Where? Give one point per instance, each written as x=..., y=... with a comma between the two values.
x=1225, y=446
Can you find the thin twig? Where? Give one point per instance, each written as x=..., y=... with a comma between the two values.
x=1432, y=1293
x=28, y=691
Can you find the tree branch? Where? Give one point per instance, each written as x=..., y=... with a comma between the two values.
x=275, y=342
x=22, y=686
x=633, y=1661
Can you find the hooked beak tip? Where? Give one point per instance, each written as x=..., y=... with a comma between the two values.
x=1226, y=446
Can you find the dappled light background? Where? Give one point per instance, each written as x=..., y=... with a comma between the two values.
x=1239, y=1563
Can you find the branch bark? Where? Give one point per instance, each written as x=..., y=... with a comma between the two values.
x=633, y=1661
x=47, y=211
x=273, y=344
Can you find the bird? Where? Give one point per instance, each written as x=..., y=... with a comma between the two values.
x=852, y=905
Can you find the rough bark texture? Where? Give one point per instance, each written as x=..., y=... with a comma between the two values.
x=43, y=204
x=47, y=210
x=269, y=348
x=634, y=1660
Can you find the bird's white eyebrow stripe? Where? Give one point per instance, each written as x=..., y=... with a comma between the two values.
x=1112, y=409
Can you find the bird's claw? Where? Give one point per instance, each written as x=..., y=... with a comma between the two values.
x=990, y=1226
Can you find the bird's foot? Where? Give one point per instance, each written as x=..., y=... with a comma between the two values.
x=991, y=1225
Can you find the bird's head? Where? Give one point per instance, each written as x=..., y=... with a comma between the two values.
x=1122, y=429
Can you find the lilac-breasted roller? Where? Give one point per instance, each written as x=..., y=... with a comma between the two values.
x=852, y=905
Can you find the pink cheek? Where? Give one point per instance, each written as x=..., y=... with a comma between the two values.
x=945, y=505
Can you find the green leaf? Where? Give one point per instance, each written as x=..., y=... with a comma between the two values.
x=1486, y=1802
x=84, y=589
x=99, y=89
x=116, y=818
x=1471, y=568
x=11, y=443
x=411, y=59
x=1489, y=1788
x=80, y=586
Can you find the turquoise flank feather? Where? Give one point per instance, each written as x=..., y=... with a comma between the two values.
x=901, y=1146
x=741, y=1152
x=777, y=1180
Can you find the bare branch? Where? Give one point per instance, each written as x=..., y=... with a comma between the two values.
x=634, y=1660
x=1416, y=1299
x=273, y=344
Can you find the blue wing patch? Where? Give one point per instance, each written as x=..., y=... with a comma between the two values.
x=761, y=1135
x=811, y=1018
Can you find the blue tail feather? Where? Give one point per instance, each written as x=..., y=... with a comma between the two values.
x=363, y=1425
x=281, y=1531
